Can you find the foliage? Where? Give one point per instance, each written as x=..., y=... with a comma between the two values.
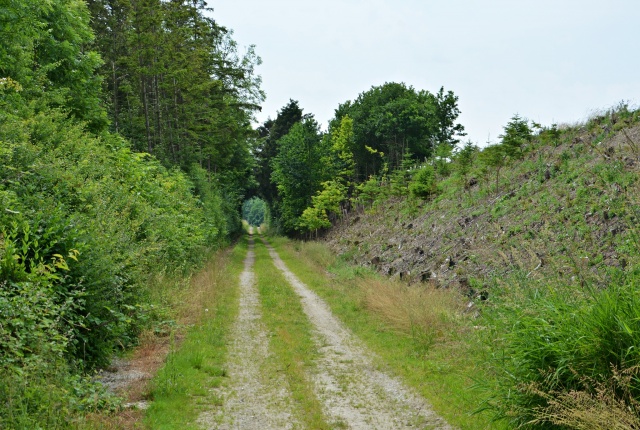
x=464, y=160
x=267, y=148
x=423, y=184
x=494, y=157
x=297, y=172
x=49, y=398
x=177, y=88
x=367, y=192
x=327, y=201
x=394, y=119
x=564, y=344
x=516, y=134
x=119, y=214
x=253, y=210
x=85, y=220
x=342, y=146
x=442, y=160
x=42, y=50
x=551, y=268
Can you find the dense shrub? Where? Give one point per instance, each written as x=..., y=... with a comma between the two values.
x=85, y=223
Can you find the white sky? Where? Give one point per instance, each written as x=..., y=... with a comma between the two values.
x=548, y=60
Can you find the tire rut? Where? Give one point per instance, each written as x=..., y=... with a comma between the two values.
x=355, y=394
x=250, y=402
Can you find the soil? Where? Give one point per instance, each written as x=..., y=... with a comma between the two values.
x=129, y=378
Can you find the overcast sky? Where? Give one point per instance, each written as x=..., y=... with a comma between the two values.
x=549, y=61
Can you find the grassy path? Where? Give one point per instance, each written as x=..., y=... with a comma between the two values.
x=442, y=372
x=354, y=392
x=255, y=398
x=272, y=355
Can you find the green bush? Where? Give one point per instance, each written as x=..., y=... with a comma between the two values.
x=122, y=214
x=423, y=184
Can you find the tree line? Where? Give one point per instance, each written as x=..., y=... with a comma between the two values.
x=392, y=140
x=125, y=153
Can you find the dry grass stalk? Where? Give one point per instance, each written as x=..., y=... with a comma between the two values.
x=203, y=289
x=605, y=405
x=425, y=310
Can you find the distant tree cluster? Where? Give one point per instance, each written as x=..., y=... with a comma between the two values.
x=254, y=211
x=309, y=178
x=391, y=141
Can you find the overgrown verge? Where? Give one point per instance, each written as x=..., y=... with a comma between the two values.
x=86, y=227
x=196, y=362
x=422, y=334
x=567, y=358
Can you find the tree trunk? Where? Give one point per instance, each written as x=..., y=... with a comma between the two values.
x=145, y=104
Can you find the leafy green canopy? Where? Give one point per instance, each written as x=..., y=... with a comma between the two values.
x=297, y=172
x=86, y=221
x=42, y=49
x=254, y=211
x=177, y=88
x=267, y=148
x=394, y=119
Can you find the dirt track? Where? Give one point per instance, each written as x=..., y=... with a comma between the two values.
x=251, y=402
x=354, y=393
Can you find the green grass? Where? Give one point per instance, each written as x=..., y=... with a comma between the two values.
x=556, y=249
x=291, y=338
x=181, y=390
x=566, y=356
x=442, y=372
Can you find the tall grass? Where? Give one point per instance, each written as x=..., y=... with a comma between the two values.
x=569, y=359
x=425, y=312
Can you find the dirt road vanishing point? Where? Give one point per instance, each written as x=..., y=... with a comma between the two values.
x=354, y=393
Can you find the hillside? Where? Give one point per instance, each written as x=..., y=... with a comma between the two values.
x=544, y=249
x=567, y=206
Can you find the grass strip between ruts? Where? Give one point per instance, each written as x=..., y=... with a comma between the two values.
x=290, y=338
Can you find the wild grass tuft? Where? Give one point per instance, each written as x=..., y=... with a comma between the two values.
x=427, y=313
x=565, y=356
